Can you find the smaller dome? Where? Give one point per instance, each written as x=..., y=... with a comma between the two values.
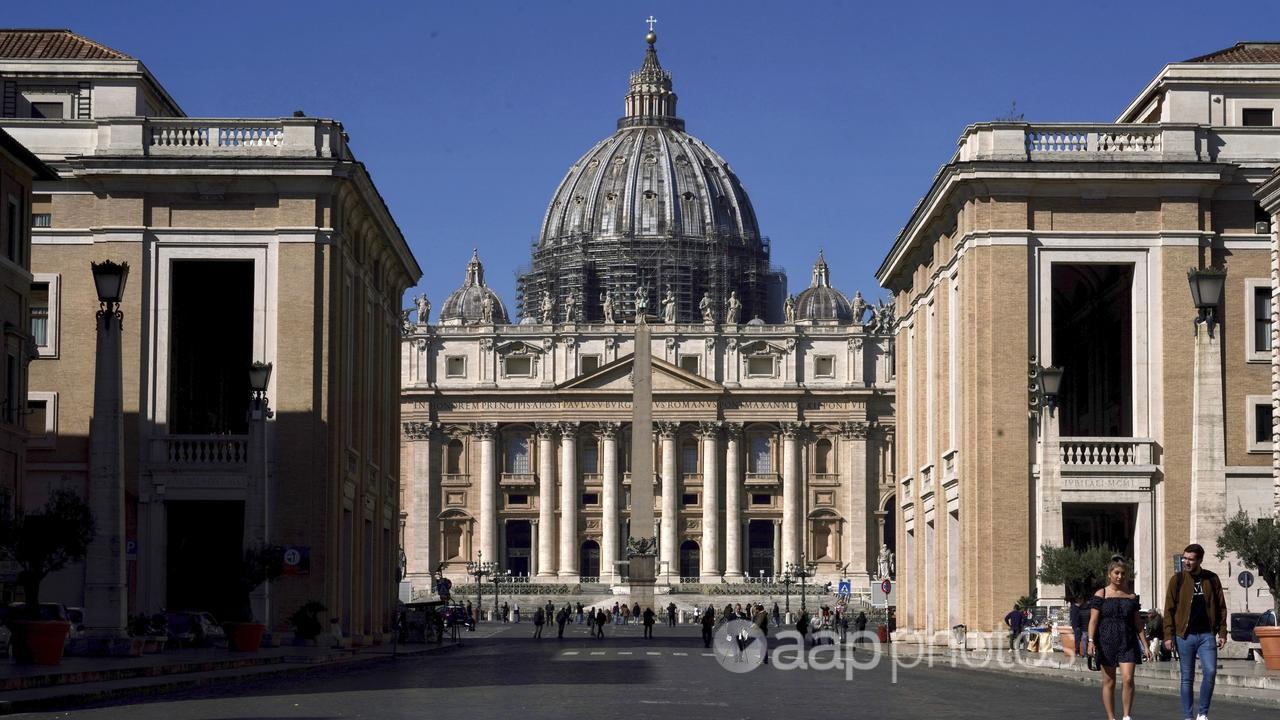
x=756, y=321
x=467, y=304
x=821, y=303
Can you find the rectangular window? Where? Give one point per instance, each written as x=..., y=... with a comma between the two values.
x=590, y=498
x=588, y=364
x=824, y=366
x=521, y=366
x=455, y=366
x=13, y=233
x=1258, y=316
x=690, y=363
x=760, y=366
x=41, y=220
x=761, y=499
x=1255, y=117
x=11, y=402
x=40, y=313
x=689, y=499
x=37, y=416
x=1258, y=422
x=48, y=110
x=760, y=457
x=517, y=499
x=590, y=461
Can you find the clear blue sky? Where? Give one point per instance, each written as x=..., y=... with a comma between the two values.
x=835, y=115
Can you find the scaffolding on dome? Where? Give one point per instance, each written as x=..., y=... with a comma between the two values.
x=588, y=266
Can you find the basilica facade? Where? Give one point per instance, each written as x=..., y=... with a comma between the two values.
x=774, y=414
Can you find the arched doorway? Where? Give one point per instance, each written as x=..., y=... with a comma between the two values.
x=589, y=559
x=760, y=548
x=519, y=541
x=689, y=559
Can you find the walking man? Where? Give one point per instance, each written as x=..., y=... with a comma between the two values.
x=562, y=617
x=1195, y=615
x=860, y=624
x=671, y=614
x=600, y=621
x=708, y=626
x=1014, y=622
x=538, y=620
x=649, y=617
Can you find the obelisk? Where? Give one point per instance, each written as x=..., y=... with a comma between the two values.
x=641, y=546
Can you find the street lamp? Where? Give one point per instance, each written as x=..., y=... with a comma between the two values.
x=802, y=570
x=257, y=506
x=1051, y=385
x=1206, y=292
x=479, y=569
x=105, y=588
x=498, y=579
x=787, y=582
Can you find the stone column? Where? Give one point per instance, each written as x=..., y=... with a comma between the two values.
x=485, y=436
x=421, y=510
x=862, y=497
x=105, y=588
x=607, y=433
x=546, y=544
x=1208, y=446
x=534, y=553
x=668, y=544
x=792, y=493
x=568, y=500
x=777, y=548
x=1049, y=505
x=733, y=531
x=709, y=433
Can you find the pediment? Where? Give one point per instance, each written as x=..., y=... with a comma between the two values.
x=519, y=347
x=762, y=347
x=616, y=376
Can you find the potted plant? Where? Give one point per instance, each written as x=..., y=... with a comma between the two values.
x=39, y=543
x=305, y=622
x=259, y=565
x=1257, y=544
x=1079, y=572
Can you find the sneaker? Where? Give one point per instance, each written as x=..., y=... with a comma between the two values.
x=1202, y=716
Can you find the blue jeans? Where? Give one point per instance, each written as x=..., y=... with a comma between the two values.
x=1205, y=647
x=1082, y=642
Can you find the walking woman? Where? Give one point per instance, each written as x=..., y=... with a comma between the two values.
x=1117, y=637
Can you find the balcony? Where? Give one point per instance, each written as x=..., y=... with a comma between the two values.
x=183, y=137
x=763, y=479
x=229, y=453
x=1107, y=463
x=1091, y=142
x=518, y=479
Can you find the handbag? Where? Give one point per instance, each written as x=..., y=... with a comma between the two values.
x=1093, y=661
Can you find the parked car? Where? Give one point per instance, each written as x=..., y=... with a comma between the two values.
x=194, y=627
x=48, y=610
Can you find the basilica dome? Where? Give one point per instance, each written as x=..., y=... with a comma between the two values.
x=651, y=207
x=467, y=304
x=820, y=303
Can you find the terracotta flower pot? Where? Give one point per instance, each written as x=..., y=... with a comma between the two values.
x=1269, y=637
x=1068, y=637
x=39, y=641
x=245, y=637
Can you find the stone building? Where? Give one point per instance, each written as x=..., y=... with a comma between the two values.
x=1068, y=246
x=248, y=240
x=773, y=441
x=21, y=420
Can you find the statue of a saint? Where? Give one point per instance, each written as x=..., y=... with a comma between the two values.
x=486, y=309
x=571, y=307
x=734, y=309
x=606, y=305
x=789, y=309
x=884, y=563
x=707, y=306
x=405, y=326
x=424, y=309
x=548, y=307
x=859, y=307
x=642, y=302
x=669, y=307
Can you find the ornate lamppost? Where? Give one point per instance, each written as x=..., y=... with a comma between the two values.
x=786, y=581
x=257, y=505
x=479, y=569
x=105, y=586
x=802, y=570
x=498, y=579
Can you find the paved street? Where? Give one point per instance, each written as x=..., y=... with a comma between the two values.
x=504, y=673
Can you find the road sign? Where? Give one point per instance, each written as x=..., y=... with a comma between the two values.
x=297, y=560
x=846, y=587
x=1246, y=579
x=886, y=586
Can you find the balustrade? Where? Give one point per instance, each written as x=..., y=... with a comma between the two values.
x=230, y=451
x=1103, y=451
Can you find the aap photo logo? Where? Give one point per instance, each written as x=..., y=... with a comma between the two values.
x=740, y=646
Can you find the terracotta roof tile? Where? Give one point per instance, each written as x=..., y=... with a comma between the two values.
x=53, y=45
x=1244, y=53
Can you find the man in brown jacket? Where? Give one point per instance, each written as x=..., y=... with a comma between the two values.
x=1195, y=617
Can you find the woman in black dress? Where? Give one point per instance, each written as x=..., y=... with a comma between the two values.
x=1117, y=637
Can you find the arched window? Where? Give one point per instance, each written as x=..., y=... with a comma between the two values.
x=689, y=457
x=760, y=457
x=822, y=457
x=517, y=454
x=589, y=559
x=689, y=560
x=453, y=457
